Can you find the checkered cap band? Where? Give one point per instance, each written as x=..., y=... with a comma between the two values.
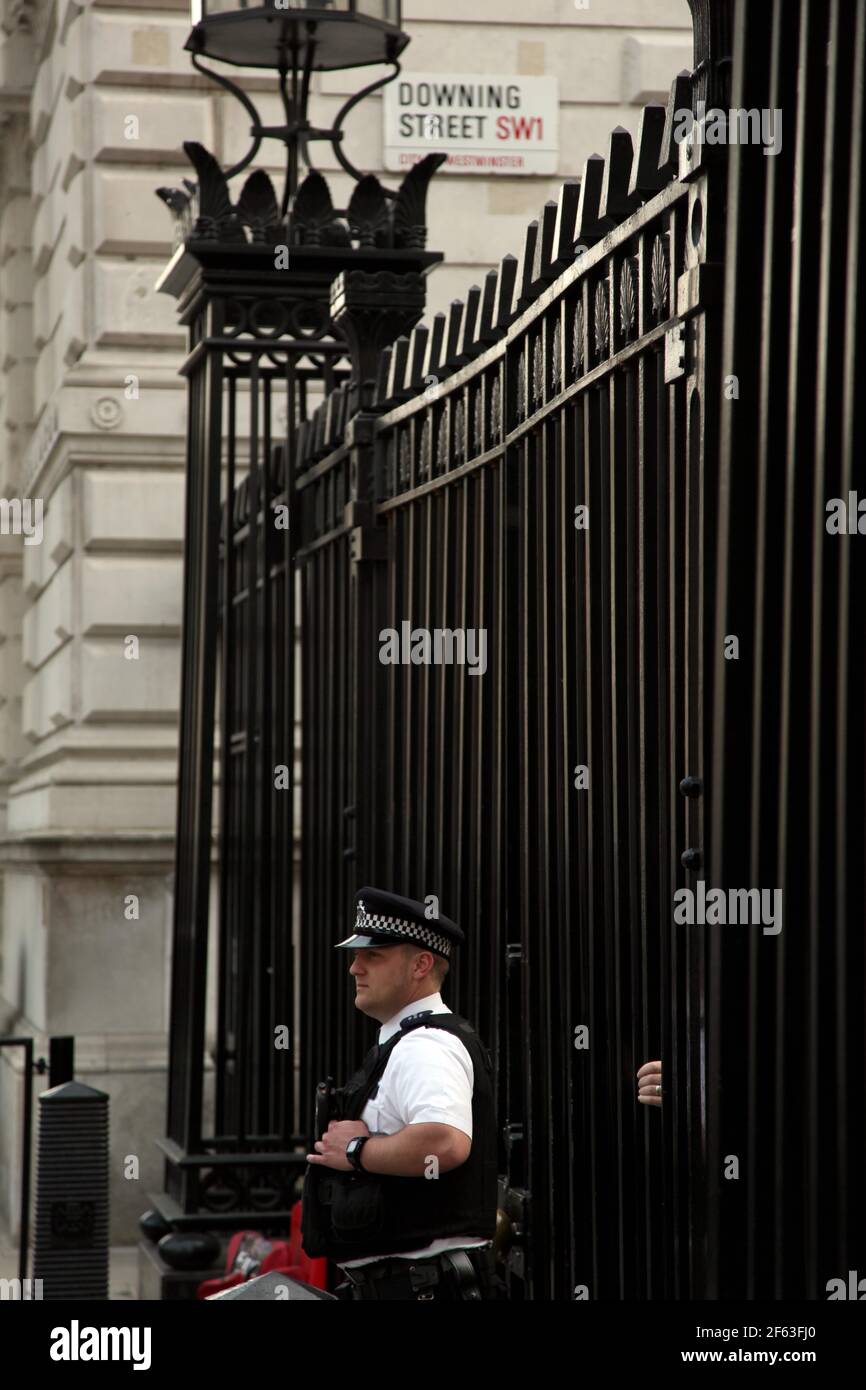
x=399, y=927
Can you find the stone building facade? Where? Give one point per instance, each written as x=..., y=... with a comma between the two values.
x=96, y=97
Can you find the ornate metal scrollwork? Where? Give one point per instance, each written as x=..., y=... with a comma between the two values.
x=220, y=1190
x=264, y=1191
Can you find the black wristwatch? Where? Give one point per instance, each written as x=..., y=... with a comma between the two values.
x=353, y=1150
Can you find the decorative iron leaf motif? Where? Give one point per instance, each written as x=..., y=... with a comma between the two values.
x=521, y=386
x=579, y=344
x=602, y=319
x=538, y=372
x=478, y=424
x=257, y=208
x=369, y=221
x=216, y=218
x=659, y=279
x=496, y=410
x=459, y=431
x=405, y=469
x=314, y=221
x=424, y=457
x=556, y=364
x=627, y=299
x=410, y=205
x=442, y=445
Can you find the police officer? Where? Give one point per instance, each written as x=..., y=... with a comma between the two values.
x=401, y=1189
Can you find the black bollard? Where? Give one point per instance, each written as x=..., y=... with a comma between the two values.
x=71, y=1245
x=61, y=1060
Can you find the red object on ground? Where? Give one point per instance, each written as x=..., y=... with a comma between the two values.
x=286, y=1257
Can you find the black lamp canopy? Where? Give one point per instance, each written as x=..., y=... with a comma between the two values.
x=319, y=35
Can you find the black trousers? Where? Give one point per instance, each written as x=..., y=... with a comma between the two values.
x=454, y=1276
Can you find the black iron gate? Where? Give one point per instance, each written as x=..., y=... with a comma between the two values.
x=548, y=494
x=611, y=459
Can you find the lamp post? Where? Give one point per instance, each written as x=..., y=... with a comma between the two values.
x=253, y=275
x=297, y=38
x=327, y=34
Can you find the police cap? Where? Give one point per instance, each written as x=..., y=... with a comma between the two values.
x=387, y=919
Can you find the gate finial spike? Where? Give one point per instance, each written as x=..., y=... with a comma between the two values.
x=545, y=254
x=452, y=338
x=435, y=344
x=646, y=177
x=589, y=225
x=617, y=173
x=468, y=340
x=525, y=277
x=680, y=99
x=566, y=221
x=504, y=309
x=382, y=375
x=417, y=353
x=397, y=373
x=487, y=329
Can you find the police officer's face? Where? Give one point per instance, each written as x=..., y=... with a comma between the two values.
x=386, y=979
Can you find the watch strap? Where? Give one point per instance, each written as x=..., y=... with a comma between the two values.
x=357, y=1143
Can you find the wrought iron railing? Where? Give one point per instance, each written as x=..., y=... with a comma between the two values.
x=566, y=382
x=685, y=389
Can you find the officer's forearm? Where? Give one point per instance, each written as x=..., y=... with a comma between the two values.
x=410, y=1152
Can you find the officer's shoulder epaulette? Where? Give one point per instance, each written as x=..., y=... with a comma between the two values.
x=413, y=1018
x=428, y=1019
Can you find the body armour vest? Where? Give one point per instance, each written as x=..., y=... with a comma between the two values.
x=350, y=1215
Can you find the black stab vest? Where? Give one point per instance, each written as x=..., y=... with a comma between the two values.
x=349, y=1215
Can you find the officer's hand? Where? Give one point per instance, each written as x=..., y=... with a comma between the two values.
x=331, y=1148
x=649, y=1083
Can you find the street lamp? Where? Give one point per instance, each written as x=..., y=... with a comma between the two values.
x=297, y=38
x=286, y=303
x=328, y=34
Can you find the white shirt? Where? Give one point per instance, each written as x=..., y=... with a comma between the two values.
x=428, y=1079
